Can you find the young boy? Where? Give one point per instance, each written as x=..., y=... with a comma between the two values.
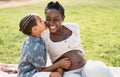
x=33, y=57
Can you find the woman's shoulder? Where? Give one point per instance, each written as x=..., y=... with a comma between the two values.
x=71, y=26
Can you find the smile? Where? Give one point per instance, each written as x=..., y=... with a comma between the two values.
x=52, y=27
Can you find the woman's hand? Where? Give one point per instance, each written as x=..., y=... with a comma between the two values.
x=64, y=63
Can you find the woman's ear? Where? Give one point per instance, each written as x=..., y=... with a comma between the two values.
x=63, y=18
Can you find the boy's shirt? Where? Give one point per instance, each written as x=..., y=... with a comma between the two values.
x=33, y=56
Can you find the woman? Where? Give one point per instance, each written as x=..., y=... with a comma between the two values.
x=64, y=41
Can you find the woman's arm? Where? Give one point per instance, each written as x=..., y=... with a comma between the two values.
x=49, y=68
x=63, y=63
x=61, y=71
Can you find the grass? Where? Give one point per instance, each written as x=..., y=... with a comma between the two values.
x=98, y=21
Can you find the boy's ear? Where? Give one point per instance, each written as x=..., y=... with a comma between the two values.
x=34, y=29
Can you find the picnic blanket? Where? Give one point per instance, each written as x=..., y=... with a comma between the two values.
x=4, y=74
x=116, y=71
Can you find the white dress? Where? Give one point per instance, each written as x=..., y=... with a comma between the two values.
x=56, y=49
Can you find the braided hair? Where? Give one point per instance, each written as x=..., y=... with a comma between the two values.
x=27, y=22
x=55, y=5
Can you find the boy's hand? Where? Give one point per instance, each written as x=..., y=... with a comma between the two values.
x=64, y=63
x=10, y=69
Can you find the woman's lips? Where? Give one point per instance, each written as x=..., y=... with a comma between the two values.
x=52, y=27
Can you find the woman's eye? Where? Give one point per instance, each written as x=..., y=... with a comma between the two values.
x=56, y=19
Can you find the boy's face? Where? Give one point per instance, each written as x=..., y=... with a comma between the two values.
x=36, y=30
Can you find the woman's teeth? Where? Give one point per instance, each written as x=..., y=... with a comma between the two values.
x=52, y=27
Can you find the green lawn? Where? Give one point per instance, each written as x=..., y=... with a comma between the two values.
x=99, y=22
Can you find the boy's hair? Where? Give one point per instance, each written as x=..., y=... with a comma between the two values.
x=55, y=5
x=27, y=22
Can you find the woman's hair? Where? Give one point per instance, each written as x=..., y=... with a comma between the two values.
x=26, y=24
x=55, y=5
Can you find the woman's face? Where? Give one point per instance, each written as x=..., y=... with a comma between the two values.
x=53, y=20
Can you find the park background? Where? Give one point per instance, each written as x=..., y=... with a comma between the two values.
x=99, y=22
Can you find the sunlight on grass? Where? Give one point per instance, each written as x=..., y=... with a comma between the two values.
x=98, y=21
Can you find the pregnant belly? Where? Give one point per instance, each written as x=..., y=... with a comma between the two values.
x=76, y=57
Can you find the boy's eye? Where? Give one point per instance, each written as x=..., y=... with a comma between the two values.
x=40, y=21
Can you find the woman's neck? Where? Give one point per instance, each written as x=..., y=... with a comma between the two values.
x=59, y=32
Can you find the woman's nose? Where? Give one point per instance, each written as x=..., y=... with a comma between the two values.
x=51, y=23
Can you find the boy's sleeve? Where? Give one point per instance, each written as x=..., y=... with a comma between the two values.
x=33, y=56
x=25, y=68
x=38, y=57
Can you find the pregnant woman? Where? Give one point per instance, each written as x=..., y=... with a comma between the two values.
x=64, y=41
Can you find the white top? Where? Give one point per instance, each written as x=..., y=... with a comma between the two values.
x=56, y=49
